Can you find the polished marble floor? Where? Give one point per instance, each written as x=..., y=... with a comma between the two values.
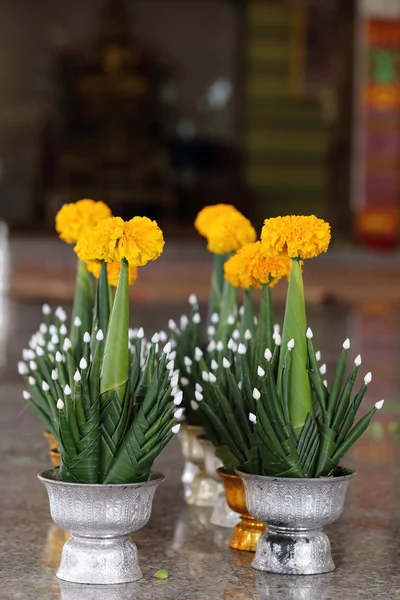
x=179, y=538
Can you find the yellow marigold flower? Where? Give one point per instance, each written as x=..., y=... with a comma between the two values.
x=113, y=270
x=209, y=214
x=138, y=240
x=297, y=236
x=73, y=219
x=252, y=267
x=229, y=233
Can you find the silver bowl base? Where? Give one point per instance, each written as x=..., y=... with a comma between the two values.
x=98, y=561
x=292, y=552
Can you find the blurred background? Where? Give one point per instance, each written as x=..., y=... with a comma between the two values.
x=159, y=107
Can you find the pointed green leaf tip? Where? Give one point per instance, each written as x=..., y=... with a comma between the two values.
x=161, y=574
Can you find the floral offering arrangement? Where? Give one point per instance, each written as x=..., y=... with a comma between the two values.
x=109, y=398
x=263, y=400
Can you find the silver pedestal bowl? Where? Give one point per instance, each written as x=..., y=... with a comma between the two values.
x=100, y=518
x=294, y=512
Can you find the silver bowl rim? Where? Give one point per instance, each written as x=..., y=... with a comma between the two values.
x=49, y=476
x=348, y=475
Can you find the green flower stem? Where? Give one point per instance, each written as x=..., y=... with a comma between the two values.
x=294, y=327
x=115, y=368
x=265, y=328
x=217, y=284
x=82, y=307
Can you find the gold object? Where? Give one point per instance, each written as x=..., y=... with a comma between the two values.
x=53, y=448
x=200, y=488
x=56, y=538
x=246, y=533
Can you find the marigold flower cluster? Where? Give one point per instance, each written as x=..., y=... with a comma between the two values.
x=73, y=220
x=225, y=228
x=138, y=241
x=113, y=270
x=253, y=267
x=299, y=237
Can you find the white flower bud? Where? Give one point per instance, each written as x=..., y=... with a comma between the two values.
x=39, y=351
x=197, y=354
x=277, y=339
x=140, y=333
x=67, y=390
x=67, y=345
x=170, y=365
x=77, y=376
x=231, y=320
x=211, y=346
x=210, y=330
x=322, y=370
x=357, y=360
x=55, y=339
x=318, y=356
x=167, y=348
x=194, y=405
x=220, y=346
x=46, y=310
x=247, y=335
x=178, y=413
x=77, y=322
x=32, y=365
x=184, y=322
x=86, y=337
x=60, y=404
x=51, y=347
x=193, y=300
x=346, y=344
x=178, y=398
x=174, y=381
x=188, y=361
x=260, y=371
x=252, y=418
x=59, y=357
x=198, y=387
x=162, y=336
x=63, y=330
x=225, y=363
x=212, y=378
x=196, y=318
x=204, y=375
x=32, y=380
x=45, y=386
x=43, y=328
x=52, y=329
x=155, y=338
x=198, y=396
x=290, y=344
x=171, y=325
x=54, y=374
x=379, y=404
x=214, y=365
x=235, y=334
x=268, y=354
x=242, y=349
x=368, y=378
x=256, y=394
x=215, y=318
x=309, y=334
x=26, y=395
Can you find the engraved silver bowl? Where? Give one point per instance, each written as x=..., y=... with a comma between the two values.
x=99, y=517
x=294, y=512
